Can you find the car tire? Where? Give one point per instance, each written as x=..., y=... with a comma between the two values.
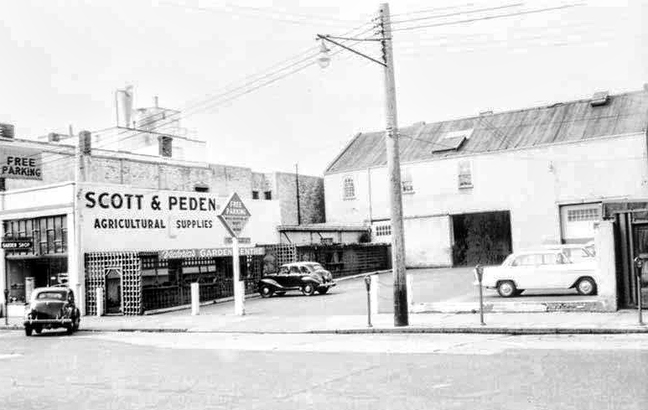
x=506, y=288
x=69, y=329
x=323, y=291
x=266, y=291
x=586, y=286
x=308, y=289
x=38, y=330
x=28, y=331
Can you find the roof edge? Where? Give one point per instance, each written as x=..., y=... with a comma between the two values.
x=344, y=150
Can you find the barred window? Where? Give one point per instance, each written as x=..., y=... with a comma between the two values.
x=383, y=230
x=349, y=188
x=580, y=215
x=465, y=175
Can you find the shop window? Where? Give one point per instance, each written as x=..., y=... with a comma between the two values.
x=48, y=234
x=581, y=215
x=348, y=188
x=268, y=195
x=255, y=194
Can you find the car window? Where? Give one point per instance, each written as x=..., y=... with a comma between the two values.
x=283, y=270
x=51, y=295
x=528, y=260
x=294, y=269
x=304, y=270
x=552, y=259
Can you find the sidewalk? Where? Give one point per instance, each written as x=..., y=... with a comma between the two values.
x=496, y=323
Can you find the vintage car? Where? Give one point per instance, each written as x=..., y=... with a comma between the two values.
x=51, y=308
x=308, y=277
x=540, y=269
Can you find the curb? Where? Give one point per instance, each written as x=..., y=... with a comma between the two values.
x=403, y=330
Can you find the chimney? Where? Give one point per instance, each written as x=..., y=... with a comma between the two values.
x=85, y=142
x=155, y=100
x=125, y=106
x=6, y=131
x=53, y=137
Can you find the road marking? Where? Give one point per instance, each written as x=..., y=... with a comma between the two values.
x=9, y=356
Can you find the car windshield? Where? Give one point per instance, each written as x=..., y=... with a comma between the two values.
x=51, y=295
x=315, y=266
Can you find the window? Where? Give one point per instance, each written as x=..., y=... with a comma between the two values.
x=528, y=260
x=406, y=182
x=465, y=175
x=268, y=195
x=255, y=194
x=383, y=230
x=349, y=188
x=581, y=215
x=166, y=149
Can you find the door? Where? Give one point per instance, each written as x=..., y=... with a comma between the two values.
x=640, y=239
x=113, y=291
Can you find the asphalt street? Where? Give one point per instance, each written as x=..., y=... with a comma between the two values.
x=236, y=371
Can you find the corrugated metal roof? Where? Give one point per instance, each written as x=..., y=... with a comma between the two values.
x=562, y=122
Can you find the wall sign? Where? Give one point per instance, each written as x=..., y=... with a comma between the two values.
x=207, y=253
x=20, y=163
x=17, y=244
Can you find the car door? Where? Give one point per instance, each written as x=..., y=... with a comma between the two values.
x=555, y=271
x=295, y=276
x=522, y=271
x=282, y=277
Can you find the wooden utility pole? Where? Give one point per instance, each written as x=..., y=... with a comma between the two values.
x=401, y=311
x=297, y=193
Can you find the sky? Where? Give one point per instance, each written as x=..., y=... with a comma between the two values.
x=244, y=73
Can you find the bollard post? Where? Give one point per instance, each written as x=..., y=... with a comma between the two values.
x=367, y=281
x=479, y=273
x=195, y=299
x=100, y=301
x=374, y=294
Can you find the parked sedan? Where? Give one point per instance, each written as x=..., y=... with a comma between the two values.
x=540, y=269
x=51, y=308
x=309, y=277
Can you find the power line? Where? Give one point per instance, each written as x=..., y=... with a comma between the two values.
x=459, y=13
x=520, y=13
x=432, y=10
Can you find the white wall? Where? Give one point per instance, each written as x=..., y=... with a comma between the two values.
x=530, y=183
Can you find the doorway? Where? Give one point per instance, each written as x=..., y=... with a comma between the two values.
x=113, y=291
x=481, y=238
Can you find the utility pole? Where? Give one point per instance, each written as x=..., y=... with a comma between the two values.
x=297, y=193
x=401, y=310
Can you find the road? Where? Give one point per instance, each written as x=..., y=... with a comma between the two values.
x=237, y=371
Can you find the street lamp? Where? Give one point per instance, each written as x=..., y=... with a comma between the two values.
x=401, y=313
x=324, y=59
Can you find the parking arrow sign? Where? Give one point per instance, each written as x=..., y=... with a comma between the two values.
x=234, y=215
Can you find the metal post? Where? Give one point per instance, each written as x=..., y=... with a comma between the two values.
x=401, y=313
x=479, y=272
x=239, y=285
x=195, y=299
x=367, y=280
x=639, y=307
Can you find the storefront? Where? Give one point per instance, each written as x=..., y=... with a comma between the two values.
x=144, y=248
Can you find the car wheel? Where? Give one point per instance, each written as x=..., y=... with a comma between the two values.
x=38, y=330
x=280, y=293
x=75, y=326
x=586, y=286
x=69, y=329
x=28, y=331
x=266, y=291
x=308, y=289
x=323, y=291
x=506, y=288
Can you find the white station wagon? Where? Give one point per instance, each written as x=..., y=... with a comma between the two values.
x=540, y=269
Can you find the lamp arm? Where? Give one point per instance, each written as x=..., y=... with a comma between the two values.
x=326, y=38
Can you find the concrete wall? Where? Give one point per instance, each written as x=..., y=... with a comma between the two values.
x=530, y=183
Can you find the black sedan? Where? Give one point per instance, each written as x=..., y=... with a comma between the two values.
x=51, y=308
x=308, y=277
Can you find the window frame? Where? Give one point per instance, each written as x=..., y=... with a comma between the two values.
x=348, y=188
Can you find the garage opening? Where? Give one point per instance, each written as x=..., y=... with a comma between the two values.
x=483, y=238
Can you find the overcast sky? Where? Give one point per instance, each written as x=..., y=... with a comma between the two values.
x=62, y=60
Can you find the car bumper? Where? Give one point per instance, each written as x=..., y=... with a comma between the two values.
x=327, y=285
x=32, y=322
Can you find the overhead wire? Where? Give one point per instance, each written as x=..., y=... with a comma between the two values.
x=459, y=13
